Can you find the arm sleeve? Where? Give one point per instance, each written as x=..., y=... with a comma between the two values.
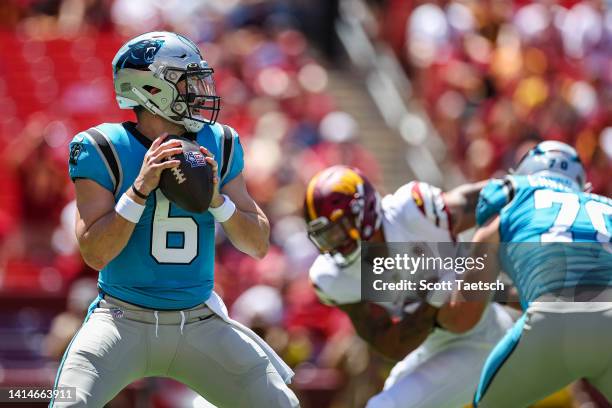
x=85, y=162
x=331, y=284
x=430, y=201
x=236, y=161
x=319, y=282
x=323, y=298
x=493, y=198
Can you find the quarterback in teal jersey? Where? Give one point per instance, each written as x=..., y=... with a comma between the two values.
x=157, y=314
x=554, y=240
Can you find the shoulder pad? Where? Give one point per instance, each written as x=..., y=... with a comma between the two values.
x=92, y=156
x=231, y=157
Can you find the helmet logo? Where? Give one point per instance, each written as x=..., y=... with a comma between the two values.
x=150, y=53
x=139, y=55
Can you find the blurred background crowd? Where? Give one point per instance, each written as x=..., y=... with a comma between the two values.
x=497, y=76
x=493, y=76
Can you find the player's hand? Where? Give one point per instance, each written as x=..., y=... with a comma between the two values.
x=217, y=199
x=155, y=162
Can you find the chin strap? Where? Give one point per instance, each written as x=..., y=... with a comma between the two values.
x=348, y=259
x=190, y=125
x=152, y=107
x=147, y=103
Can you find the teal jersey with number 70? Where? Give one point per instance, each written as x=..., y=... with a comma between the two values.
x=168, y=262
x=553, y=237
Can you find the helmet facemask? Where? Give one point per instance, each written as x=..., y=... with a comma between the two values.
x=196, y=101
x=338, y=238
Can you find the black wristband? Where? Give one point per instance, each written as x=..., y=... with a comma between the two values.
x=138, y=193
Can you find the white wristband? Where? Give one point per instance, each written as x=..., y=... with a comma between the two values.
x=129, y=209
x=223, y=212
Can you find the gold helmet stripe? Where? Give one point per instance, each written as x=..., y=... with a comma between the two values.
x=312, y=213
x=349, y=180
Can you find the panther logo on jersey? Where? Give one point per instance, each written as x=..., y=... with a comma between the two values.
x=75, y=152
x=139, y=55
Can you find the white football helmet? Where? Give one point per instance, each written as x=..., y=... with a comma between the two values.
x=554, y=159
x=165, y=73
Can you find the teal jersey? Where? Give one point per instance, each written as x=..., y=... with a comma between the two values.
x=553, y=237
x=168, y=262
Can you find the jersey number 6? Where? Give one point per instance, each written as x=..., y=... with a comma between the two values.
x=163, y=225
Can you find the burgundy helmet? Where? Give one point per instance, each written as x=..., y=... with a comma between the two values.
x=341, y=209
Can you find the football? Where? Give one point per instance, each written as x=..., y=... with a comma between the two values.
x=190, y=185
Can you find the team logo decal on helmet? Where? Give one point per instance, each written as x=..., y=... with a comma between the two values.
x=341, y=209
x=139, y=55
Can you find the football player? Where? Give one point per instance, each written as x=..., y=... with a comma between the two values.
x=553, y=239
x=156, y=314
x=438, y=369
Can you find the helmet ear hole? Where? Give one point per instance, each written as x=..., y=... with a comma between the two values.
x=151, y=89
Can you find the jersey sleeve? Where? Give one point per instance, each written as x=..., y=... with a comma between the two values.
x=85, y=161
x=430, y=202
x=493, y=197
x=323, y=298
x=236, y=159
x=320, y=281
x=332, y=284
